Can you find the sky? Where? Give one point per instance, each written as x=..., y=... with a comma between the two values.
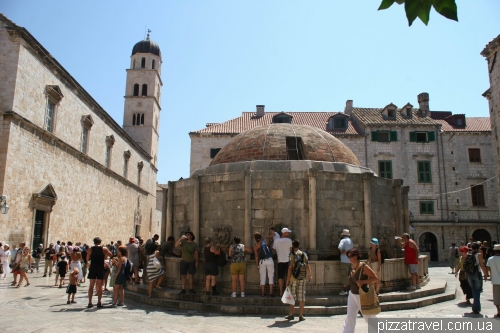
x=223, y=57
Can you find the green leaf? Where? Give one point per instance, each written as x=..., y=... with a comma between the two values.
x=412, y=8
x=425, y=11
x=385, y=4
x=447, y=8
x=400, y=2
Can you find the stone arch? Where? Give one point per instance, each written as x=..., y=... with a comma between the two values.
x=481, y=235
x=428, y=242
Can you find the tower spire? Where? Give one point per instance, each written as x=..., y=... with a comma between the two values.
x=149, y=32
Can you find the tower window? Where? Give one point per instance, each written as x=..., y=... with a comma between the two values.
x=144, y=90
x=143, y=63
x=134, y=119
x=133, y=64
x=294, y=148
x=142, y=119
x=136, y=89
x=153, y=64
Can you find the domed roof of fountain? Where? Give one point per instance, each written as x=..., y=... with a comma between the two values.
x=281, y=142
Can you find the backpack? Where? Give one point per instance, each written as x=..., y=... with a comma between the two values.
x=264, y=252
x=34, y=254
x=383, y=255
x=299, y=267
x=456, y=253
x=129, y=268
x=221, y=259
x=470, y=263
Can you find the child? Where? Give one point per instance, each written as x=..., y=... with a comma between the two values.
x=62, y=266
x=73, y=281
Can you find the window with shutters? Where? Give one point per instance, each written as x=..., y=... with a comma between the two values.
x=214, y=152
x=424, y=172
x=474, y=155
x=385, y=169
x=422, y=137
x=384, y=136
x=426, y=207
x=477, y=194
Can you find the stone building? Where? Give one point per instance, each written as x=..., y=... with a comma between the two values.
x=490, y=52
x=444, y=160
x=68, y=171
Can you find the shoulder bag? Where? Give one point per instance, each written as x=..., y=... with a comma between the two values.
x=370, y=305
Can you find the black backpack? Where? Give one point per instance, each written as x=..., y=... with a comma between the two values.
x=383, y=255
x=221, y=259
x=299, y=267
x=129, y=268
x=470, y=263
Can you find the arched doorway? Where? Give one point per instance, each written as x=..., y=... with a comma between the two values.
x=428, y=243
x=481, y=235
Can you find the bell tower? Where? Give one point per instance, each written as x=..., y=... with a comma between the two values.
x=141, y=118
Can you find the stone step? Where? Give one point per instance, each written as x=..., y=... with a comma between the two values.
x=432, y=293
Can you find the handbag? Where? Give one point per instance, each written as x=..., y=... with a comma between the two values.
x=288, y=297
x=370, y=305
x=156, y=263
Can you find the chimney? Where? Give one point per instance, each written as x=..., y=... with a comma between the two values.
x=348, y=107
x=423, y=104
x=260, y=110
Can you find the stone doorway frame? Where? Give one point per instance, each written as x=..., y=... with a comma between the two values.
x=43, y=200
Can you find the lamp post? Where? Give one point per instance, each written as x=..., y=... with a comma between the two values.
x=4, y=208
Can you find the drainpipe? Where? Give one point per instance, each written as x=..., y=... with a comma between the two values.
x=444, y=178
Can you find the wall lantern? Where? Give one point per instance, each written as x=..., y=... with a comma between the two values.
x=4, y=208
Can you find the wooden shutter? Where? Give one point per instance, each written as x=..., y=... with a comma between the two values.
x=374, y=135
x=431, y=136
x=394, y=136
x=413, y=136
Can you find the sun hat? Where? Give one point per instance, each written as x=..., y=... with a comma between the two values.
x=345, y=232
x=285, y=230
x=374, y=241
x=497, y=247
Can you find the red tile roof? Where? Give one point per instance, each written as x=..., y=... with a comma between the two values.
x=373, y=116
x=248, y=120
x=473, y=124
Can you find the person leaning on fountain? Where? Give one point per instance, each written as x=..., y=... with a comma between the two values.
x=283, y=247
x=189, y=261
x=345, y=265
x=411, y=258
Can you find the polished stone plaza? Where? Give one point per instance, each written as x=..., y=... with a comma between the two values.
x=41, y=307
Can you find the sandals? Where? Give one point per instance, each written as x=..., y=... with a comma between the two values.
x=99, y=305
x=90, y=305
x=27, y=284
x=18, y=286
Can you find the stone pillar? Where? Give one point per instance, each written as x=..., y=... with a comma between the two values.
x=248, y=208
x=196, y=208
x=313, y=253
x=396, y=185
x=406, y=211
x=169, y=228
x=367, y=205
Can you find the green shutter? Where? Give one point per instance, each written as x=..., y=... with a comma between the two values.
x=430, y=206
x=431, y=136
x=374, y=135
x=394, y=136
x=413, y=136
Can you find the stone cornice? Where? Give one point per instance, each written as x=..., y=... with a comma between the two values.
x=53, y=140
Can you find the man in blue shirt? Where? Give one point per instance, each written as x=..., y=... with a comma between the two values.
x=344, y=246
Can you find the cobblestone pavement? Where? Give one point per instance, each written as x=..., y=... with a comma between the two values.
x=41, y=307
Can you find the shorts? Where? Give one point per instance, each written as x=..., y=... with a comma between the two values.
x=211, y=269
x=238, y=268
x=71, y=289
x=282, y=269
x=496, y=294
x=96, y=273
x=62, y=275
x=298, y=290
x=344, y=273
x=23, y=270
x=413, y=268
x=188, y=268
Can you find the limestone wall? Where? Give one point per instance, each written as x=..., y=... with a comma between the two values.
x=91, y=201
x=200, y=149
x=9, y=59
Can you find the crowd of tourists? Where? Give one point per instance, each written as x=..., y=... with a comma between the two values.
x=474, y=263
x=117, y=264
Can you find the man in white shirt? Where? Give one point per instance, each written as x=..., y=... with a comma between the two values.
x=283, y=247
x=345, y=264
x=494, y=268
